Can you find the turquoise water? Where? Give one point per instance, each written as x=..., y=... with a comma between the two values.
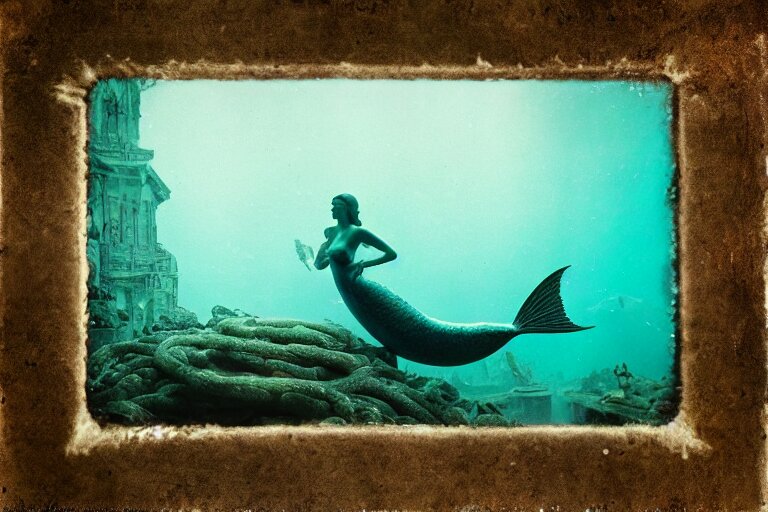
x=482, y=187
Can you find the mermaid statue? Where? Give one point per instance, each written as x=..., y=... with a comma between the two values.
x=408, y=332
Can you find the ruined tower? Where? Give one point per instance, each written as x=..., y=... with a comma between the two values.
x=133, y=280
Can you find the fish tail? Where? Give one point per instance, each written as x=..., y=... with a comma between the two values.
x=543, y=311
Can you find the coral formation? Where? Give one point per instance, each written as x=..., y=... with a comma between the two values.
x=253, y=371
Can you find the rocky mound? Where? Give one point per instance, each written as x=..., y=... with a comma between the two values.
x=252, y=371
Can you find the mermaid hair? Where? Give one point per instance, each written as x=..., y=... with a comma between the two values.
x=352, y=208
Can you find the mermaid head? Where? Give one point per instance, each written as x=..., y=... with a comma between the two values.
x=353, y=211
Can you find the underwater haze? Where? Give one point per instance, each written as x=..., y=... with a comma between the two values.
x=483, y=188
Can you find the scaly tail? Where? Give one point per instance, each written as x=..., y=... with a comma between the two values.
x=543, y=311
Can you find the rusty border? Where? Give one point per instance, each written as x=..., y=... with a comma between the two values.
x=710, y=457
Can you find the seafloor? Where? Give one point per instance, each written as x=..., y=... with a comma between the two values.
x=239, y=369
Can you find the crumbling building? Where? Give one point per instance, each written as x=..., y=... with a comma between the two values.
x=133, y=279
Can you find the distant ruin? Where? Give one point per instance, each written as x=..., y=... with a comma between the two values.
x=133, y=279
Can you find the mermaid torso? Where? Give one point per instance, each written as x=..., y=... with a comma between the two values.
x=340, y=256
x=339, y=250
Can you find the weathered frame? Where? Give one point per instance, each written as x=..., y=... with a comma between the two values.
x=711, y=456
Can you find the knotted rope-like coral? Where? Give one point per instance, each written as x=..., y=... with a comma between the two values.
x=251, y=371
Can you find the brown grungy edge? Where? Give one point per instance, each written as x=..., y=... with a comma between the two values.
x=711, y=457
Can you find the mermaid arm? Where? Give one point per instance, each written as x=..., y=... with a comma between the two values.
x=322, y=260
x=368, y=238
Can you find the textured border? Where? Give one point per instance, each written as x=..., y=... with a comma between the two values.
x=710, y=457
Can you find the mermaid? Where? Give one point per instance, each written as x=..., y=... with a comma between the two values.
x=408, y=332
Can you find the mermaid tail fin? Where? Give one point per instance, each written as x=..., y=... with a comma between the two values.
x=543, y=311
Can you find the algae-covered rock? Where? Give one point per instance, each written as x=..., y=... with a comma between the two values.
x=219, y=313
x=177, y=320
x=333, y=420
x=103, y=314
x=490, y=420
x=253, y=371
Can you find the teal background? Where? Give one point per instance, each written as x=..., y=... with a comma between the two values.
x=482, y=187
